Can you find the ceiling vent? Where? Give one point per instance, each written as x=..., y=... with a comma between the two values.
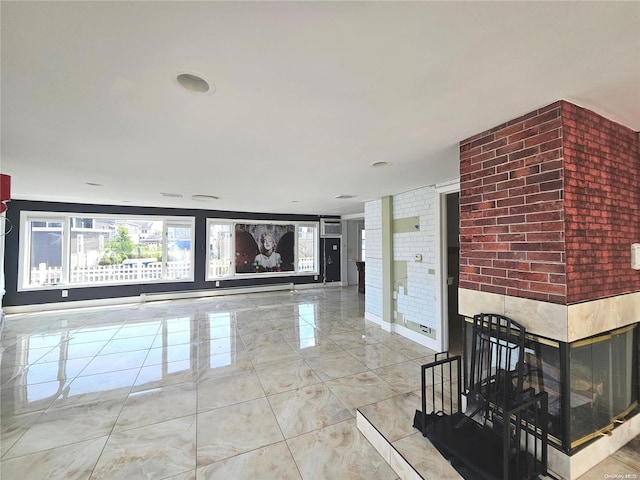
x=204, y=198
x=330, y=228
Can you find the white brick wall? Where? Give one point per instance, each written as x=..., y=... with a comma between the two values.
x=373, y=260
x=417, y=301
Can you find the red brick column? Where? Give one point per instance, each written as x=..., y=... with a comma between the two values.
x=602, y=204
x=511, y=208
x=549, y=206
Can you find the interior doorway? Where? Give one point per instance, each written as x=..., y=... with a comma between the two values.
x=331, y=259
x=454, y=320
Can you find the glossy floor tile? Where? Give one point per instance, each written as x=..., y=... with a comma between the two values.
x=338, y=451
x=253, y=386
x=273, y=461
x=153, y=451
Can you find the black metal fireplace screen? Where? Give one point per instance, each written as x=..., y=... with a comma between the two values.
x=506, y=377
x=502, y=432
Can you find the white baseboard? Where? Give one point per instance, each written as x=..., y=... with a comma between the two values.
x=403, y=331
x=417, y=337
x=373, y=318
x=162, y=296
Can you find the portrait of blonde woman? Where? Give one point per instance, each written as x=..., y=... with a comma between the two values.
x=268, y=259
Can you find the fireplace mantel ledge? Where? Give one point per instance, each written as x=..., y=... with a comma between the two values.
x=564, y=323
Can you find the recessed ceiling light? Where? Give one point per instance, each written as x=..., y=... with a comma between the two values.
x=193, y=83
x=171, y=195
x=204, y=198
x=344, y=196
x=91, y=184
x=380, y=164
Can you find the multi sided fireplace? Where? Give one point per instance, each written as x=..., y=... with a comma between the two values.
x=592, y=384
x=545, y=229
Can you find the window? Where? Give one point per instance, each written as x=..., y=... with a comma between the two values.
x=45, y=252
x=220, y=240
x=307, y=248
x=233, y=248
x=71, y=249
x=179, y=251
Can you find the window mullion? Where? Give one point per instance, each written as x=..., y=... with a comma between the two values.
x=296, y=250
x=165, y=253
x=66, y=250
x=232, y=267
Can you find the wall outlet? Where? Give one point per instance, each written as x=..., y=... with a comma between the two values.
x=635, y=256
x=217, y=283
x=65, y=293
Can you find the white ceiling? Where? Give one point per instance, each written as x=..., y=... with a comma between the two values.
x=307, y=94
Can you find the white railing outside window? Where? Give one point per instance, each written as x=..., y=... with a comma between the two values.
x=219, y=268
x=306, y=264
x=44, y=275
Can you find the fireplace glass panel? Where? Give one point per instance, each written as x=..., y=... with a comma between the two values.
x=601, y=382
x=623, y=378
x=544, y=375
x=589, y=387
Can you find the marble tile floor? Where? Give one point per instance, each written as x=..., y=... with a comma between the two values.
x=252, y=386
x=241, y=386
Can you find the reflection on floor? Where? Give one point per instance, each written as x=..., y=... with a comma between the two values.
x=253, y=386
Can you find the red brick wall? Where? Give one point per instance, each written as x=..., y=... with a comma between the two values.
x=602, y=204
x=543, y=214
x=511, y=208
